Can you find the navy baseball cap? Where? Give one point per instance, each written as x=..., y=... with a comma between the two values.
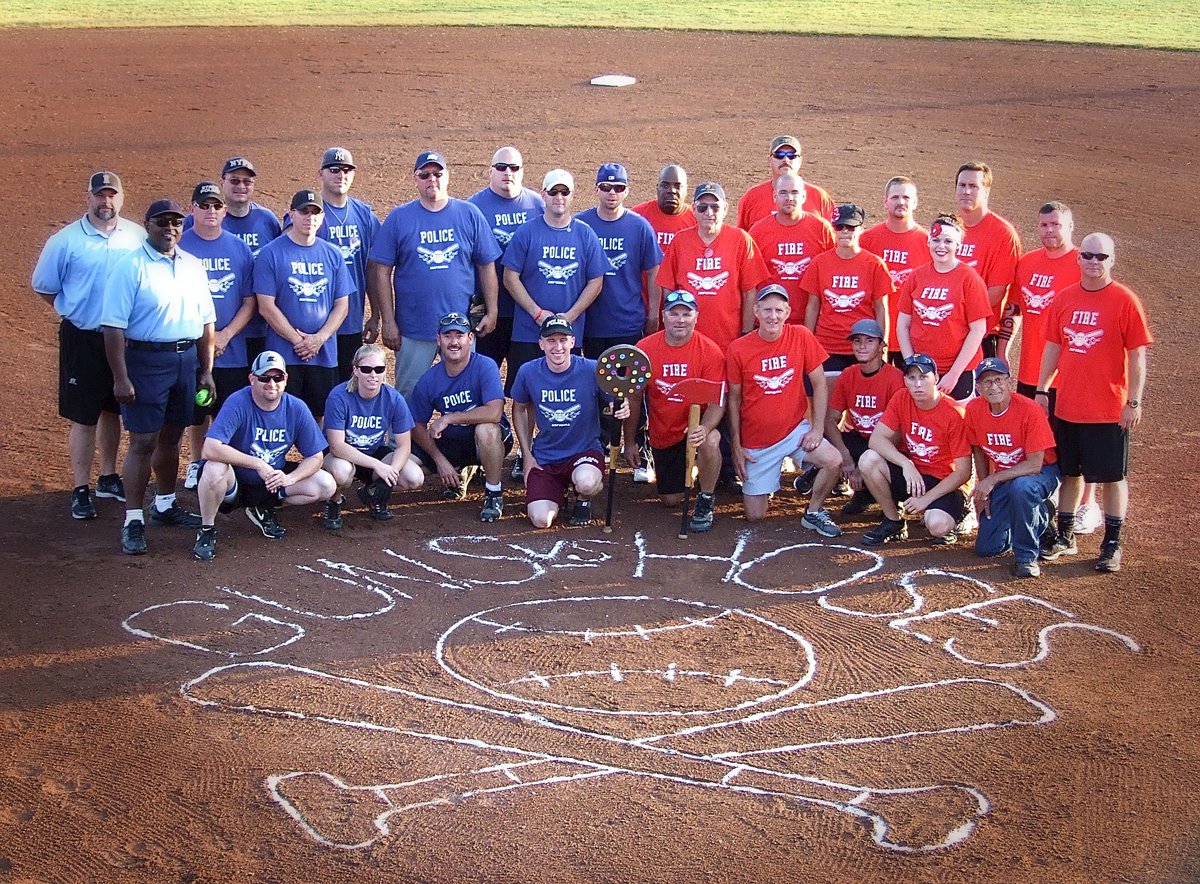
x=992, y=363
x=613, y=172
x=868, y=327
x=206, y=190
x=306, y=198
x=267, y=360
x=848, y=214
x=104, y=181
x=164, y=207
x=773, y=288
x=922, y=361
x=454, y=322
x=337, y=156
x=234, y=163
x=680, y=298
x=709, y=188
x=425, y=157
x=556, y=324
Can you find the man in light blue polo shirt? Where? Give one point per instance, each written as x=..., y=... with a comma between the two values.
x=158, y=322
x=70, y=275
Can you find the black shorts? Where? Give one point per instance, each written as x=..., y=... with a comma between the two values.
x=839, y=362
x=85, y=382
x=228, y=381
x=1098, y=452
x=461, y=450
x=1028, y=391
x=990, y=345
x=856, y=443
x=254, y=346
x=497, y=343
x=965, y=386
x=366, y=474
x=250, y=494
x=312, y=384
x=896, y=358
x=347, y=346
x=953, y=503
x=669, y=467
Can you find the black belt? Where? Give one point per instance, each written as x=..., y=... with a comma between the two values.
x=161, y=346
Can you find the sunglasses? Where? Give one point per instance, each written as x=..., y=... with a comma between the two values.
x=210, y=204
x=271, y=378
x=1094, y=256
x=708, y=208
x=310, y=210
x=244, y=182
x=371, y=369
x=784, y=153
x=845, y=227
x=437, y=173
x=679, y=297
x=559, y=191
x=609, y=188
x=506, y=167
x=335, y=169
x=163, y=221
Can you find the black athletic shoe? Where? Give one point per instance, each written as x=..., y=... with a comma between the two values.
x=804, y=482
x=377, y=507
x=858, y=503
x=133, y=538
x=493, y=506
x=703, y=517
x=111, y=487
x=581, y=514
x=82, y=507
x=206, y=544
x=518, y=470
x=1062, y=546
x=174, y=516
x=1110, y=557
x=331, y=515
x=264, y=518
x=887, y=531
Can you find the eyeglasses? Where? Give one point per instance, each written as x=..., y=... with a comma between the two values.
x=679, y=297
x=244, y=182
x=506, y=167
x=841, y=227
x=165, y=221
x=270, y=378
x=998, y=381
x=210, y=204
x=434, y=173
x=609, y=188
x=1094, y=256
x=784, y=153
x=344, y=169
x=708, y=208
x=371, y=369
x=559, y=191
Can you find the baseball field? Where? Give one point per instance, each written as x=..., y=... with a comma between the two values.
x=432, y=699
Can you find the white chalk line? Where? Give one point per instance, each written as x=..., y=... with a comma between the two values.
x=296, y=629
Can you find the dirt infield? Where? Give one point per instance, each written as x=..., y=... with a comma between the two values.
x=432, y=701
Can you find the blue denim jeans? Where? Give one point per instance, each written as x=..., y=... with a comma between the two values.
x=1020, y=511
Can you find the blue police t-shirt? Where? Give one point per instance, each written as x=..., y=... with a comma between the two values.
x=268, y=435
x=505, y=216
x=434, y=256
x=555, y=265
x=632, y=248
x=365, y=422
x=477, y=384
x=566, y=406
x=230, y=268
x=256, y=228
x=352, y=229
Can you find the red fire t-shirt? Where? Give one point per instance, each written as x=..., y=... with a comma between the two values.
x=932, y=438
x=759, y=201
x=848, y=290
x=861, y=398
x=1095, y=329
x=1009, y=438
x=788, y=250
x=942, y=306
x=1038, y=280
x=668, y=411
x=901, y=252
x=771, y=375
x=665, y=227
x=992, y=248
x=717, y=275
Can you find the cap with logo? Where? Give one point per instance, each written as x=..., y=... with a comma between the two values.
x=992, y=363
x=922, y=361
x=556, y=324
x=234, y=163
x=785, y=141
x=709, y=188
x=428, y=158
x=306, y=198
x=337, y=156
x=164, y=207
x=104, y=181
x=773, y=288
x=848, y=214
x=454, y=322
x=267, y=360
x=613, y=172
x=868, y=327
x=558, y=176
x=206, y=190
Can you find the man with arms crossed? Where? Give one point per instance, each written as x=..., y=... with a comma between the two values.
x=1096, y=340
x=70, y=276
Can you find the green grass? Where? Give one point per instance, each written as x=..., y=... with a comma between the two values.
x=1165, y=24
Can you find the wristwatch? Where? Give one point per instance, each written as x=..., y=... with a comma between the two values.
x=1134, y=403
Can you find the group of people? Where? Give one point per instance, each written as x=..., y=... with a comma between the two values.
x=873, y=358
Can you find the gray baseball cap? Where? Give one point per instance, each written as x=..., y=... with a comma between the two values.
x=267, y=360
x=867, y=327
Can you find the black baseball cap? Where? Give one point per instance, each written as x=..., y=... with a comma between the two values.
x=922, y=361
x=454, y=322
x=425, y=157
x=680, y=298
x=556, y=324
x=234, y=163
x=337, y=156
x=206, y=190
x=848, y=214
x=709, y=188
x=164, y=207
x=306, y=198
x=104, y=181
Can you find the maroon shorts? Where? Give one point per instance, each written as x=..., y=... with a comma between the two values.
x=549, y=481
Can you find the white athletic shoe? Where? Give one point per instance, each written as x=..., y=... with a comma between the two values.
x=1088, y=518
x=192, y=479
x=969, y=523
x=643, y=475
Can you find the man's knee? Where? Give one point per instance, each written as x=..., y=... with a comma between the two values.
x=871, y=462
x=938, y=522
x=587, y=480
x=826, y=457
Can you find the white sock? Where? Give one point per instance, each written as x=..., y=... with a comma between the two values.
x=134, y=516
x=163, y=502
x=493, y=488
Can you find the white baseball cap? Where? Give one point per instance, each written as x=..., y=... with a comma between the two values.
x=558, y=176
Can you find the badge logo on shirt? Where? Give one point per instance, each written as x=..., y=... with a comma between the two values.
x=438, y=259
x=790, y=269
x=558, y=274
x=273, y=456
x=363, y=441
x=775, y=384
x=708, y=283
x=933, y=315
x=921, y=449
x=1082, y=342
x=1005, y=459
x=222, y=285
x=503, y=237
x=1037, y=303
x=308, y=291
x=842, y=302
x=560, y=417
x=865, y=421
